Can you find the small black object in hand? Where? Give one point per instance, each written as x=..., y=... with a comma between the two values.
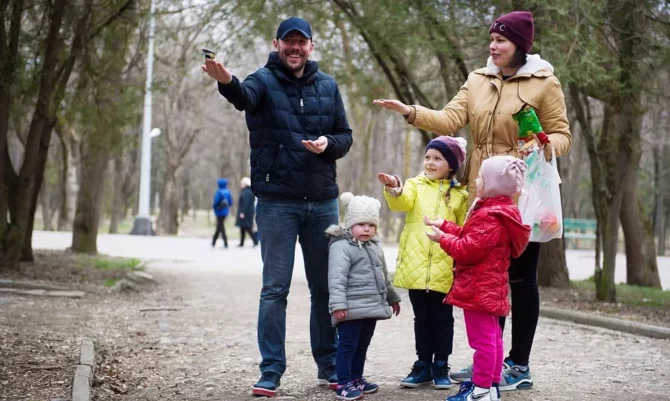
x=208, y=54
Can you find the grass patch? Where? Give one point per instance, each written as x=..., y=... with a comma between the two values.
x=108, y=263
x=632, y=294
x=110, y=282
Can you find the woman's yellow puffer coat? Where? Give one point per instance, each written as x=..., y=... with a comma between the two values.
x=422, y=264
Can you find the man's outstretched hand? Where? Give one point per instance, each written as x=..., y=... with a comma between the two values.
x=318, y=146
x=217, y=71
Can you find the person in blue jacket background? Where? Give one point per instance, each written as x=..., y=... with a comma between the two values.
x=221, y=204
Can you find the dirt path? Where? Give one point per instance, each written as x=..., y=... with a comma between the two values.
x=206, y=350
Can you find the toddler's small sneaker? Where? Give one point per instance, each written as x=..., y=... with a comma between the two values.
x=470, y=392
x=365, y=386
x=495, y=392
x=267, y=385
x=348, y=392
x=421, y=374
x=441, y=375
x=328, y=377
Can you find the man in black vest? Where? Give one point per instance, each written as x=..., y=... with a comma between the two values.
x=298, y=128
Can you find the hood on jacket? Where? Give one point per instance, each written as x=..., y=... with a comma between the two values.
x=274, y=64
x=223, y=183
x=534, y=63
x=505, y=210
x=336, y=233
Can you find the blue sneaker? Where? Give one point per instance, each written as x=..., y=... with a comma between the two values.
x=463, y=375
x=365, y=386
x=515, y=377
x=328, y=377
x=420, y=374
x=470, y=392
x=348, y=392
x=441, y=375
x=267, y=385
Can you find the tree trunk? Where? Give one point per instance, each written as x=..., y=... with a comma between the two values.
x=168, y=217
x=70, y=143
x=553, y=270
x=117, y=193
x=659, y=199
x=95, y=156
x=641, y=267
x=45, y=207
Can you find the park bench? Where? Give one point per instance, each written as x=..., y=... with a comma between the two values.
x=578, y=232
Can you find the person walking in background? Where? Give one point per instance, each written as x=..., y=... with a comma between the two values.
x=298, y=129
x=246, y=206
x=221, y=205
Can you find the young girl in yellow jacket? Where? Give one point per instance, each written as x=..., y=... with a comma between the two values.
x=422, y=267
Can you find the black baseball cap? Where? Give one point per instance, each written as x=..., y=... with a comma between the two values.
x=294, y=24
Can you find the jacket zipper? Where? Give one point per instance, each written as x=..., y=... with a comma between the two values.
x=430, y=249
x=372, y=263
x=267, y=176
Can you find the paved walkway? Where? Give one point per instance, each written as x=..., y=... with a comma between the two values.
x=198, y=251
x=206, y=348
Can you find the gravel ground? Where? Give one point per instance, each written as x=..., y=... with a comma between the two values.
x=206, y=350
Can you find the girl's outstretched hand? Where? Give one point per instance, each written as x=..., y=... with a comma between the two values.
x=388, y=180
x=396, y=308
x=435, y=223
x=435, y=234
x=394, y=105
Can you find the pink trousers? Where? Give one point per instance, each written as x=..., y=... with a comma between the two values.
x=485, y=337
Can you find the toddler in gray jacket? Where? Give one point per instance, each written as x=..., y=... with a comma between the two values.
x=360, y=290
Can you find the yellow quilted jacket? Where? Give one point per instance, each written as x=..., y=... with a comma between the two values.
x=422, y=264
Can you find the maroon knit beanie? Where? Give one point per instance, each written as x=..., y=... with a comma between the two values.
x=516, y=26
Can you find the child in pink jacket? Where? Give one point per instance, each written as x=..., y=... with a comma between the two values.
x=493, y=234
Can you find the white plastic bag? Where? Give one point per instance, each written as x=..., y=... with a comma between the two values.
x=540, y=200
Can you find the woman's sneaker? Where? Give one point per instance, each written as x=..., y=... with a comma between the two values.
x=441, y=375
x=348, y=392
x=420, y=374
x=463, y=375
x=515, y=377
x=365, y=386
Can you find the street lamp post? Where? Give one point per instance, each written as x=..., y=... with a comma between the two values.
x=142, y=224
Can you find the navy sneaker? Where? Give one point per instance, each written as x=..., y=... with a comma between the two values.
x=328, y=377
x=420, y=374
x=441, y=375
x=267, y=385
x=470, y=392
x=348, y=392
x=365, y=386
x=515, y=377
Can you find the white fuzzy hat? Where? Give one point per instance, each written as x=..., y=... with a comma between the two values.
x=359, y=209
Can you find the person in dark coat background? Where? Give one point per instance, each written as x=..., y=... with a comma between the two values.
x=221, y=204
x=245, y=211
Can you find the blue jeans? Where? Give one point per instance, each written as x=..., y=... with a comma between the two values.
x=354, y=340
x=281, y=222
